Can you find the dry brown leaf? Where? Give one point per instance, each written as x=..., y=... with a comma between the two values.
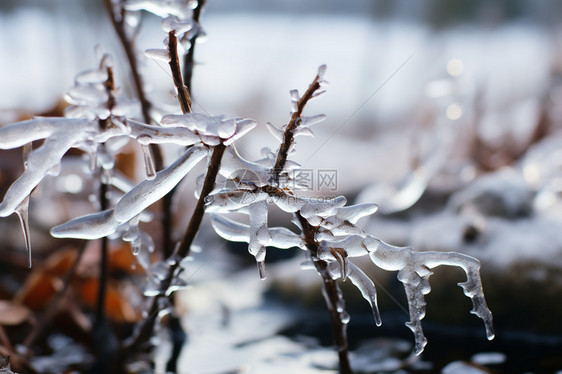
x=38, y=290
x=12, y=313
x=117, y=307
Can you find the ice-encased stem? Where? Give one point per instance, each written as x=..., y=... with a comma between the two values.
x=332, y=296
x=151, y=190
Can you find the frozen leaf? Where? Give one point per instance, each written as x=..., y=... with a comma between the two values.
x=12, y=314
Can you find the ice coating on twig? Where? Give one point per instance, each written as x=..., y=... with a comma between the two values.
x=61, y=134
x=159, y=54
x=211, y=130
x=149, y=191
x=363, y=283
x=414, y=274
x=259, y=233
x=90, y=226
x=98, y=225
x=281, y=237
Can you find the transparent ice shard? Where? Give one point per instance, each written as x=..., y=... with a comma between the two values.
x=149, y=191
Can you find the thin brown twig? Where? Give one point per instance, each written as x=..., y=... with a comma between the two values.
x=145, y=330
x=288, y=135
x=184, y=99
x=137, y=81
x=188, y=60
x=183, y=94
x=331, y=296
x=330, y=287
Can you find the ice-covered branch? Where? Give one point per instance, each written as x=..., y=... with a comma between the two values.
x=413, y=271
x=105, y=223
x=298, y=104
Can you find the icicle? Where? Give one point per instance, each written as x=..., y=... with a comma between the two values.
x=23, y=213
x=261, y=269
x=367, y=288
x=148, y=162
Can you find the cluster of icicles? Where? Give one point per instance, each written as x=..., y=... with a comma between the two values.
x=247, y=187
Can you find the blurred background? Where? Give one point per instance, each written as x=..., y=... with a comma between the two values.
x=446, y=113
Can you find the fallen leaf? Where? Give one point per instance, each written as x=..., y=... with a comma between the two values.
x=12, y=313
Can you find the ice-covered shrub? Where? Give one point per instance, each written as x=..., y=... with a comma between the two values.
x=100, y=121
